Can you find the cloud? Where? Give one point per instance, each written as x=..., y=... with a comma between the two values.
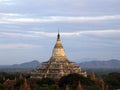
x=50, y=19
x=14, y=46
x=98, y=33
x=15, y=34
x=10, y=15
x=7, y=2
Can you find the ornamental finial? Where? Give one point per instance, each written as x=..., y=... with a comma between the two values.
x=58, y=36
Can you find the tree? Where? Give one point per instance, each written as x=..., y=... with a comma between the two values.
x=73, y=79
x=2, y=87
x=47, y=81
x=112, y=80
x=19, y=82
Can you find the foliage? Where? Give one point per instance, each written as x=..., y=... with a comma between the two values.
x=4, y=75
x=42, y=87
x=54, y=87
x=47, y=81
x=73, y=79
x=2, y=87
x=113, y=80
x=19, y=82
x=47, y=87
x=46, y=84
x=27, y=75
x=94, y=87
x=9, y=75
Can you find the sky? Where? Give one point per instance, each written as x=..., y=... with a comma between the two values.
x=89, y=29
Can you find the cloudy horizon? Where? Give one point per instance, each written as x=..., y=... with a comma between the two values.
x=88, y=29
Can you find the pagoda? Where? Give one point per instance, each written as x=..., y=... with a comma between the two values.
x=58, y=65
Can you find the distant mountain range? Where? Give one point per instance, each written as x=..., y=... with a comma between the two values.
x=110, y=64
x=32, y=65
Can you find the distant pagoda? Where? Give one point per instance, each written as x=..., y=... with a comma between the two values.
x=58, y=65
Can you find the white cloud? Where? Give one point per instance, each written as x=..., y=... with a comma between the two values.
x=37, y=33
x=99, y=33
x=10, y=14
x=85, y=32
x=49, y=19
x=7, y=2
x=15, y=34
x=14, y=46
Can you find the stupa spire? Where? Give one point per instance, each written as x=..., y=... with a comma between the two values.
x=58, y=36
x=58, y=50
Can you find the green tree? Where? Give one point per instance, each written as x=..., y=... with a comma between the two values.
x=54, y=87
x=47, y=81
x=73, y=79
x=112, y=80
x=19, y=82
x=2, y=87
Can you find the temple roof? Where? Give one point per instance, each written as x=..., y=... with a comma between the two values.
x=58, y=65
x=58, y=50
x=58, y=42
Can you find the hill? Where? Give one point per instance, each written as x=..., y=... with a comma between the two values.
x=32, y=64
x=97, y=66
x=113, y=64
x=101, y=67
x=23, y=67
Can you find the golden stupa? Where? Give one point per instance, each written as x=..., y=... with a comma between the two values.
x=58, y=65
